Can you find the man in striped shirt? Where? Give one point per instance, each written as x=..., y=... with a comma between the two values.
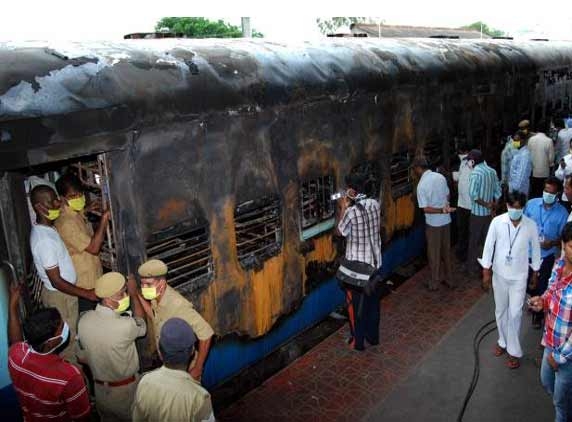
x=484, y=191
x=556, y=370
x=48, y=387
x=521, y=168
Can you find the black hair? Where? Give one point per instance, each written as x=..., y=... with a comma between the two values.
x=567, y=233
x=463, y=146
x=554, y=181
x=39, y=193
x=421, y=162
x=41, y=326
x=356, y=181
x=67, y=182
x=514, y=197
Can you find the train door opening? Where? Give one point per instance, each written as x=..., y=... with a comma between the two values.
x=94, y=174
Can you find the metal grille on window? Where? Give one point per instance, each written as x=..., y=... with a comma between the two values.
x=187, y=254
x=317, y=209
x=95, y=177
x=400, y=175
x=34, y=284
x=258, y=226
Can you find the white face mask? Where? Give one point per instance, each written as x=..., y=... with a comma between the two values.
x=64, y=336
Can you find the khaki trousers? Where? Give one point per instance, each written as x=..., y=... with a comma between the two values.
x=439, y=254
x=67, y=306
x=114, y=403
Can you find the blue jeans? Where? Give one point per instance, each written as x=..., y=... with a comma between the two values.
x=559, y=386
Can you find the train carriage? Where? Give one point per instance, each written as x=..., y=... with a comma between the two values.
x=220, y=157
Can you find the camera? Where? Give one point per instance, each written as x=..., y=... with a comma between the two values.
x=338, y=195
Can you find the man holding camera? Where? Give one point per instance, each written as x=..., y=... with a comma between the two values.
x=360, y=225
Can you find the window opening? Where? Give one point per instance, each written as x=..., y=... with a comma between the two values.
x=187, y=254
x=317, y=209
x=258, y=226
x=400, y=175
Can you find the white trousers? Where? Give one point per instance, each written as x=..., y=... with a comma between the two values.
x=509, y=301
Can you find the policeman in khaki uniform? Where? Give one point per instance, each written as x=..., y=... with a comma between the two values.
x=107, y=344
x=170, y=393
x=163, y=303
x=81, y=242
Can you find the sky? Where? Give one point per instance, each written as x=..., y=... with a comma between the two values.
x=293, y=20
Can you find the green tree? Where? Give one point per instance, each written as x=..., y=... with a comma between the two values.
x=486, y=29
x=331, y=25
x=202, y=28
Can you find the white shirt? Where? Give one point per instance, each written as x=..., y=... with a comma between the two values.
x=49, y=251
x=524, y=238
x=463, y=186
x=563, y=143
x=561, y=173
x=542, y=154
x=432, y=191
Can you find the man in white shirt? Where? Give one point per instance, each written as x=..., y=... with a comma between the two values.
x=563, y=140
x=565, y=165
x=510, y=238
x=53, y=263
x=433, y=199
x=461, y=177
x=541, y=150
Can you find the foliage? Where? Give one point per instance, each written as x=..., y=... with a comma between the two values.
x=331, y=25
x=486, y=29
x=202, y=28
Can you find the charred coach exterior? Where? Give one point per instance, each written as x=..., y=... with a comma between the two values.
x=221, y=156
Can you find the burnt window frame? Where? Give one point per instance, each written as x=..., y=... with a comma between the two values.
x=179, y=234
x=324, y=222
x=400, y=180
x=267, y=212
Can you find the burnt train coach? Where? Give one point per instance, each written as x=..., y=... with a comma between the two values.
x=220, y=157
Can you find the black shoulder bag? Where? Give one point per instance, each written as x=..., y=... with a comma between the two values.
x=360, y=275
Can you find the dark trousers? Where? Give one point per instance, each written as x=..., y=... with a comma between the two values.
x=363, y=315
x=536, y=186
x=463, y=221
x=543, y=276
x=478, y=228
x=439, y=254
x=85, y=305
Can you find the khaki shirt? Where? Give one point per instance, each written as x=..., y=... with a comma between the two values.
x=76, y=232
x=171, y=395
x=107, y=343
x=174, y=305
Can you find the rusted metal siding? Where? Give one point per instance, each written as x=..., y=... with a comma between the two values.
x=196, y=128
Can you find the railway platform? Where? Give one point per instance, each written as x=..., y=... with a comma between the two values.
x=420, y=371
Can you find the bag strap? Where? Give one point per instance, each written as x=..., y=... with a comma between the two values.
x=366, y=219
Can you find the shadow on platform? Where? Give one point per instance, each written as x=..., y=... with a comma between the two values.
x=435, y=390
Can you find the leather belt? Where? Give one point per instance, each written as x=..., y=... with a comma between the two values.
x=117, y=383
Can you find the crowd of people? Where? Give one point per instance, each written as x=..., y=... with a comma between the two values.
x=525, y=249
x=82, y=343
x=91, y=321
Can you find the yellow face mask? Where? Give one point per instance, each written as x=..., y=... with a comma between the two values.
x=53, y=214
x=149, y=293
x=77, y=204
x=516, y=144
x=123, y=305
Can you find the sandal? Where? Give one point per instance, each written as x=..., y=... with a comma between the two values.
x=499, y=351
x=512, y=362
